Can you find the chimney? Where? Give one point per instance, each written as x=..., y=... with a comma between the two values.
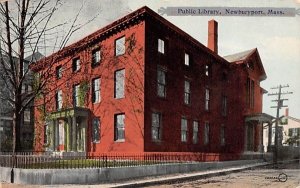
x=212, y=42
x=287, y=112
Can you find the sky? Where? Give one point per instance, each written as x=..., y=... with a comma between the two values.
x=276, y=38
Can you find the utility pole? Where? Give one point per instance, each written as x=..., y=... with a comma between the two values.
x=279, y=101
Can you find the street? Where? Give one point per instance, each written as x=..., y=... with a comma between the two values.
x=289, y=176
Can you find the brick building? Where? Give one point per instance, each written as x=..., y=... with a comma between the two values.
x=141, y=84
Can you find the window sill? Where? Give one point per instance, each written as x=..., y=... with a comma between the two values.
x=97, y=142
x=120, y=141
x=94, y=65
x=156, y=141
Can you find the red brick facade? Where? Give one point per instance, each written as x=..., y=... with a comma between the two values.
x=205, y=83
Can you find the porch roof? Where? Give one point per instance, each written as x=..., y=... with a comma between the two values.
x=261, y=117
x=70, y=112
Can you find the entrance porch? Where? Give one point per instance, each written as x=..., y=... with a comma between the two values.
x=67, y=130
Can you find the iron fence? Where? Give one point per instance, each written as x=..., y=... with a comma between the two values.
x=52, y=160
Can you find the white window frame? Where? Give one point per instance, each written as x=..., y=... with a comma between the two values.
x=76, y=89
x=96, y=90
x=119, y=91
x=120, y=47
x=186, y=59
x=161, y=46
x=187, y=92
x=96, y=57
x=195, y=132
x=119, y=126
x=156, y=126
x=76, y=64
x=184, y=130
x=59, y=100
x=161, y=83
x=96, y=130
x=207, y=99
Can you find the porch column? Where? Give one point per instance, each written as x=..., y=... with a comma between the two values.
x=260, y=137
x=74, y=140
x=269, y=136
x=55, y=134
x=70, y=148
x=246, y=137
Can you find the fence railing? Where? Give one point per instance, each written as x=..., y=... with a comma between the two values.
x=65, y=160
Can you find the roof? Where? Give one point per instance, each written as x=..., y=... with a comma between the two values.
x=34, y=57
x=241, y=56
x=117, y=26
x=292, y=118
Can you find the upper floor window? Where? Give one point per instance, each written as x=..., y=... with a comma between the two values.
x=187, y=59
x=96, y=130
x=120, y=46
x=187, y=92
x=207, y=70
x=156, y=126
x=161, y=83
x=76, y=64
x=59, y=100
x=76, y=99
x=96, y=96
x=59, y=72
x=161, y=46
x=207, y=99
x=119, y=127
x=184, y=130
x=119, y=83
x=195, y=132
x=96, y=57
x=206, y=133
x=224, y=105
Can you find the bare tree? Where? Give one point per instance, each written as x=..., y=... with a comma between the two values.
x=26, y=26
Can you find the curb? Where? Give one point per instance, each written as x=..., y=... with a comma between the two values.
x=188, y=177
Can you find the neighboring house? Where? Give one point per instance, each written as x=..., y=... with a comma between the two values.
x=26, y=131
x=289, y=132
x=141, y=84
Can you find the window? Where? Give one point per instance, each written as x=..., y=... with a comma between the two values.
x=76, y=89
x=161, y=83
x=96, y=57
x=119, y=127
x=207, y=70
x=195, y=132
x=120, y=46
x=58, y=98
x=183, y=130
x=59, y=72
x=222, y=135
x=187, y=59
x=156, y=126
x=161, y=46
x=224, y=105
x=119, y=83
x=96, y=96
x=207, y=96
x=96, y=130
x=206, y=133
x=187, y=92
x=76, y=65
x=252, y=94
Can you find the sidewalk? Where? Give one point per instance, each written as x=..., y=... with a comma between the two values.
x=150, y=181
